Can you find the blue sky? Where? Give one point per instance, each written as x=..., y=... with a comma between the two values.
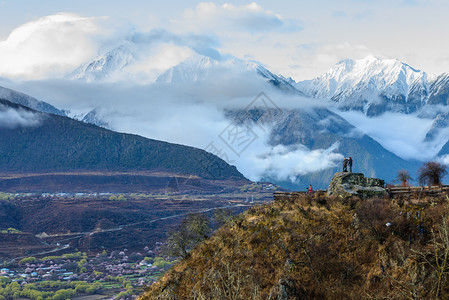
x=301, y=39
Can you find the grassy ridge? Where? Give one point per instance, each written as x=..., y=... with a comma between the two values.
x=320, y=248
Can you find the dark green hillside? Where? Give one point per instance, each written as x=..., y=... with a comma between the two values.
x=60, y=144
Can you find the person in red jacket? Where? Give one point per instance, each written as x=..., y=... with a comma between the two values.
x=310, y=189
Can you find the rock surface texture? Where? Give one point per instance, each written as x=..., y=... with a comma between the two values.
x=348, y=184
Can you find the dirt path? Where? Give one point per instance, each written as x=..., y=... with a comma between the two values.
x=77, y=235
x=39, y=253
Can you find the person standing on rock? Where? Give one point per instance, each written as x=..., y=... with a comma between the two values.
x=345, y=164
x=350, y=164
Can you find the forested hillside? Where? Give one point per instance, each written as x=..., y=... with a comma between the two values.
x=55, y=143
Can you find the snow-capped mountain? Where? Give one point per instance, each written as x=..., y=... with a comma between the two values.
x=141, y=63
x=199, y=67
x=91, y=116
x=28, y=101
x=372, y=85
x=94, y=118
x=441, y=121
x=439, y=90
x=376, y=86
x=196, y=67
x=104, y=67
x=278, y=81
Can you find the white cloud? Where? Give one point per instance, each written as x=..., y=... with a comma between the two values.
x=208, y=17
x=443, y=159
x=12, y=118
x=48, y=46
x=402, y=134
x=283, y=163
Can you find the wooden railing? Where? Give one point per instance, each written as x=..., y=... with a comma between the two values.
x=417, y=189
x=392, y=191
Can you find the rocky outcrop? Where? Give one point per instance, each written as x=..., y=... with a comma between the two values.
x=356, y=184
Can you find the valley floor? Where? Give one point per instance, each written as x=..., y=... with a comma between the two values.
x=105, y=244
x=115, y=274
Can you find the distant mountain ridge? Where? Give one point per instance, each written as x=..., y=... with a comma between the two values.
x=117, y=64
x=375, y=86
x=319, y=129
x=371, y=85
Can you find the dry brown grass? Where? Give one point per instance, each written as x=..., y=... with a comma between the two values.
x=321, y=248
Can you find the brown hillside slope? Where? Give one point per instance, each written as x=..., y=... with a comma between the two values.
x=320, y=248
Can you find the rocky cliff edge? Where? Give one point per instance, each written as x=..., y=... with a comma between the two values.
x=356, y=184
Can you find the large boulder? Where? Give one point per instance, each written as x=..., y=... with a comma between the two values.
x=356, y=184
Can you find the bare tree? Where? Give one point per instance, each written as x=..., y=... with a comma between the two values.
x=403, y=177
x=193, y=230
x=431, y=173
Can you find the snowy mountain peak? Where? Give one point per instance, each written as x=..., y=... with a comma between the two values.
x=104, y=66
x=199, y=67
x=374, y=71
x=371, y=84
x=439, y=90
x=192, y=69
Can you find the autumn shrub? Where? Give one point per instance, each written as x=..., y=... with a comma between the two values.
x=374, y=214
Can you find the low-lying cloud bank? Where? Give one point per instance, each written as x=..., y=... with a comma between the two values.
x=12, y=118
x=402, y=134
x=283, y=163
